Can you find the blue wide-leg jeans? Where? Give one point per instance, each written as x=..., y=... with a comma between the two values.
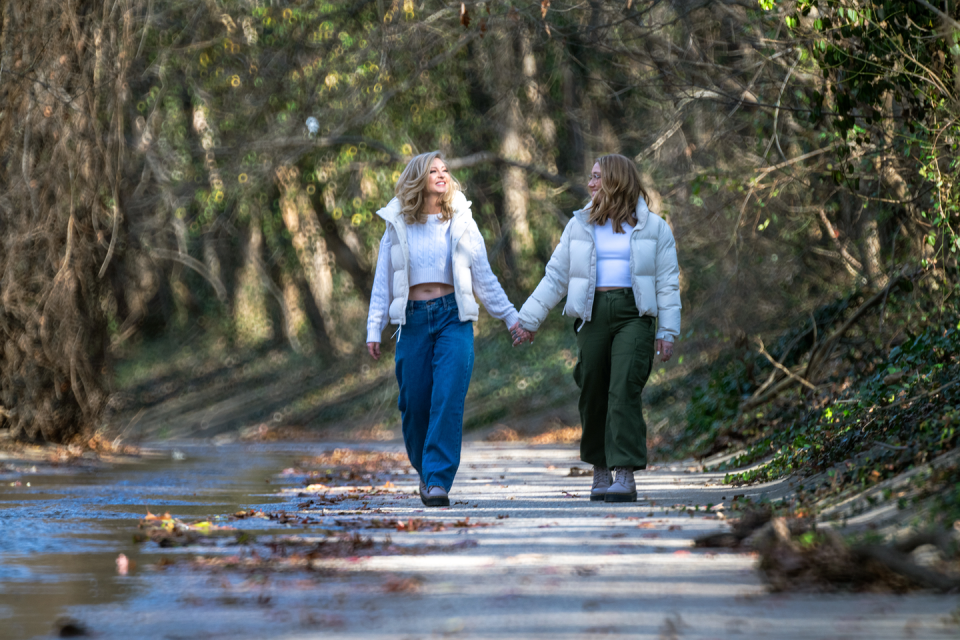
x=434, y=361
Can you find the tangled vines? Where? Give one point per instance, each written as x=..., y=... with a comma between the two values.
x=63, y=92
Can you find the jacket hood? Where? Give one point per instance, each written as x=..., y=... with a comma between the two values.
x=391, y=212
x=642, y=212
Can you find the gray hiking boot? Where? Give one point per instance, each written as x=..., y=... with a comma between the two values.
x=601, y=482
x=624, y=487
x=423, y=490
x=436, y=497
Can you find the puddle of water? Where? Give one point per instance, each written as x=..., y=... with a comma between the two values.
x=60, y=537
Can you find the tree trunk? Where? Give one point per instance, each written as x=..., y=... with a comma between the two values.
x=346, y=248
x=296, y=326
x=872, y=263
x=63, y=218
x=251, y=317
x=182, y=299
x=301, y=221
x=509, y=79
x=210, y=258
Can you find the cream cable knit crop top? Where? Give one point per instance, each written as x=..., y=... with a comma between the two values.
x=429, y=244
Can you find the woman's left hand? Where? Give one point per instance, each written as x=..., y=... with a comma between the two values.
x=520, y=335
x=664, y=350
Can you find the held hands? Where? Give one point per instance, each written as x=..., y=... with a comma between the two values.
x=521, y=335
x=664, y=350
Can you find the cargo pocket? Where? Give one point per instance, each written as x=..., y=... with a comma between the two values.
x=578, y=372
x=641, y=364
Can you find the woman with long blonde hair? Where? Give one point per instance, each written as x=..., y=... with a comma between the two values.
x=617, y=266
x=432, y=263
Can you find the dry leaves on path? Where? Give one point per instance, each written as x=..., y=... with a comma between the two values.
x=168, y=531
x=298, y=553
x=358, y=460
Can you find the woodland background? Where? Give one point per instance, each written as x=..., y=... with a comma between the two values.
x=158, y=180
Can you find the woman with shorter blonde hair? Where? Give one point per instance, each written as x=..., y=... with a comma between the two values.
x=432, y=263
x=617, y=265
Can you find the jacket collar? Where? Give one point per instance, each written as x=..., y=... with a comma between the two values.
x=642, y=213
x=461, y=209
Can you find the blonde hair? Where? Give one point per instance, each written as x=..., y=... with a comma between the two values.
x=412, y=184
x=620, y=190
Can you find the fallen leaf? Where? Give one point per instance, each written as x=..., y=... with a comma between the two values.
x=401, y=585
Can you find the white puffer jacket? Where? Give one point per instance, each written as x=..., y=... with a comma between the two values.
x=471, y=272
x=572, y=272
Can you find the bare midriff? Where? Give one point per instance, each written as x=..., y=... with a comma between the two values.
x=429, y=290
x=610, y=288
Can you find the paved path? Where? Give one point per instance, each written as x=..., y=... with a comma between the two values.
x=551, y=565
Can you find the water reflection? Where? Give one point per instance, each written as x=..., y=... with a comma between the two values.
x=60, y=537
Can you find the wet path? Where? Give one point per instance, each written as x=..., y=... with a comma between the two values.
x=520, y=553
x=61, y=530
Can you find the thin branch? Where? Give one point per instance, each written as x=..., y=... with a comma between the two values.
x=696, y=95
x=482, y=157
x=194, y=264
x=820, y=353
x=763, y=172
x=921, y=396
x=660, y=141
x=778, y=388
x=825, y=350
x=113, y=236
x=946, y=18
x=776, y=113
x=779, y=366
x=852, y=264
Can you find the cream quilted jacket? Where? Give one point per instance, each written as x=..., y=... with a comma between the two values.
x=472, y=275
x=572, y=272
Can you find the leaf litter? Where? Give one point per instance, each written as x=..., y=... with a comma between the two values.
x=333, y=537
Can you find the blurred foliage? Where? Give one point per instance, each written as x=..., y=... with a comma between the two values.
x=803, y=152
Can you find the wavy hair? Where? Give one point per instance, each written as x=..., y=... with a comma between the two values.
x=620, y=189
x=412, y=184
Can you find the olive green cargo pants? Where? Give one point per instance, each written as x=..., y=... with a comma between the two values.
x=614, y=359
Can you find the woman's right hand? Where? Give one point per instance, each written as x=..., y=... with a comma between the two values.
x=373, y=348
